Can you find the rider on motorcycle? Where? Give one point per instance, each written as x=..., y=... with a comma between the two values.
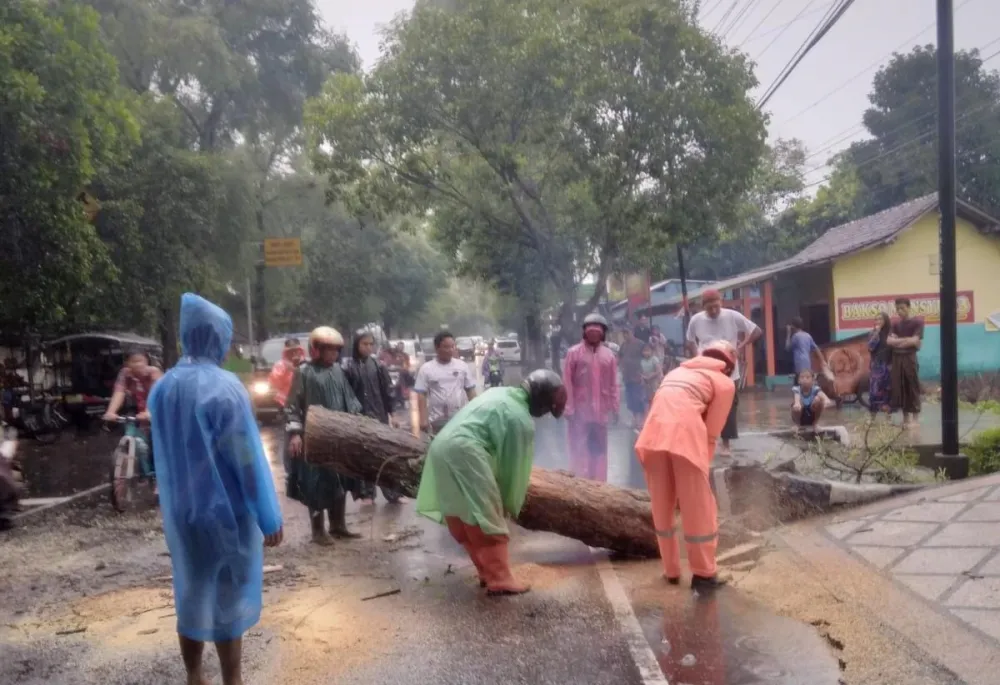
x=493, y=366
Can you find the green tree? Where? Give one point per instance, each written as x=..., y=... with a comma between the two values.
x=899, y=161
x=550, y=141
x=63, y=119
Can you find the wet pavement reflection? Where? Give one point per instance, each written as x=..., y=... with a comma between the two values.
x=726, y=639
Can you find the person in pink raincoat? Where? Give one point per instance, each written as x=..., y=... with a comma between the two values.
x=675, y=448
x=590, y=374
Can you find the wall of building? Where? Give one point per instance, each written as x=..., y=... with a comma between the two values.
x=909, y=266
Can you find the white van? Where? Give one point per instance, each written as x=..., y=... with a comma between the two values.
x=509, y=350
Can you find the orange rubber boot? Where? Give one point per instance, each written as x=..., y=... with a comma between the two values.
x=458, y=531
x=495, y=556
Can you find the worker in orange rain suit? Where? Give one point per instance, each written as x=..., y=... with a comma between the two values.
x=280, y=378
x=675, y=448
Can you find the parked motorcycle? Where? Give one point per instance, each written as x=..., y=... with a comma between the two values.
x=41, y=420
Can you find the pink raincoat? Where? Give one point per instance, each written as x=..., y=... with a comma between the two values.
x=590, y=375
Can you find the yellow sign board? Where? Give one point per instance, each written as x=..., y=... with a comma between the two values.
x=282, y=252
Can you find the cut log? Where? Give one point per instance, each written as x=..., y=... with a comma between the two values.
x=597, y=514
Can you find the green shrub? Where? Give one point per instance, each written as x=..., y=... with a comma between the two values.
x=984, y=452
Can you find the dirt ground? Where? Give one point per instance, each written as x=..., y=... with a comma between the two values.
x=87, y=599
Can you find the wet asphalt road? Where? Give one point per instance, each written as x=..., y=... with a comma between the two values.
x=439, y=629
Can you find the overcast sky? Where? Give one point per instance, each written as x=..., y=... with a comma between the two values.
x=822, y=102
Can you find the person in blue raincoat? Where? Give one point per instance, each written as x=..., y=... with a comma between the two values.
x=217, y=495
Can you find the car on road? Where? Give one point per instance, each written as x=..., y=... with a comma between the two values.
x=509, y=350
x=262, y=395
x=466, y=348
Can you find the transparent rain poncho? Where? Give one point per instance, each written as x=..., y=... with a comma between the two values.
x=478, y=467
x=217, y=495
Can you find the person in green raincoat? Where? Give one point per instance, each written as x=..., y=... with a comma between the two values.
x=320, y=382
x=477, y=471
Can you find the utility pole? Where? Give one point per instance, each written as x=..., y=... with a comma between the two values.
x=261, y=298
x=250, y=337
x=684, y=290
x=955, y=465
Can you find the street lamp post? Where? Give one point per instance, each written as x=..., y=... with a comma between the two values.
x=955, y=464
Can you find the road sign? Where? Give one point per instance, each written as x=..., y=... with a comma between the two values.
x=282, y=252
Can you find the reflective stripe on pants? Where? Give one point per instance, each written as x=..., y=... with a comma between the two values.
x=671, y=480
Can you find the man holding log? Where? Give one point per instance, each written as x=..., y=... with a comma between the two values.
x=320, y=382
x=478, y=468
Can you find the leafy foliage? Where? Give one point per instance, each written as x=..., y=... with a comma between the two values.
x=546, y=141
x=63, y=118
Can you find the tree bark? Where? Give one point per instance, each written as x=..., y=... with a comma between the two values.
x=597, y=514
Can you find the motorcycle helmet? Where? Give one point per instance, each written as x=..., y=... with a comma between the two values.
x=596, y=318
x=324, y=335
x=546, y=393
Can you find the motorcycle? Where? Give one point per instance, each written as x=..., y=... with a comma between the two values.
x=494, y=374
x=400, y=387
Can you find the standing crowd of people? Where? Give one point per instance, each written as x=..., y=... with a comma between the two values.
x=219, y=504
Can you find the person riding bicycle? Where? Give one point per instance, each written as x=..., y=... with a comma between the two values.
x=132, y=388
x=493, y=366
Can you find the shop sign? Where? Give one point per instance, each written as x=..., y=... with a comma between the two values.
x=860, y=312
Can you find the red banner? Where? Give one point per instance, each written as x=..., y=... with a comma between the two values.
x=860, y=312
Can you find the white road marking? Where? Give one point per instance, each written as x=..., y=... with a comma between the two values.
x=650, y=672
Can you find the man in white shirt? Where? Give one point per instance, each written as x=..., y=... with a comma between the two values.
x=444, y=385
x=714, y=323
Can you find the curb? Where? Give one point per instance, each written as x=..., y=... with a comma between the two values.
x=67, y=500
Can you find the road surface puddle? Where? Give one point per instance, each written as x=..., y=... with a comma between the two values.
x=726, y=639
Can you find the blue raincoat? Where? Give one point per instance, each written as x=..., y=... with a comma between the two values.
x=216, y=491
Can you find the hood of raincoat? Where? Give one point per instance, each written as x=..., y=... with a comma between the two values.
x=706, y=363
x=206, y=329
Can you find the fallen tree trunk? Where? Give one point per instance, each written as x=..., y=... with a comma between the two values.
x=597, y=514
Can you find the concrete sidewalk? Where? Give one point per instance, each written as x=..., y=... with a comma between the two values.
x=926, y=566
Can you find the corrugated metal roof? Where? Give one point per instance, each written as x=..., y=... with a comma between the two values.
x=856, y=236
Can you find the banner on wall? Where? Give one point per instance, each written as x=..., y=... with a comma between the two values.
x=860, y=312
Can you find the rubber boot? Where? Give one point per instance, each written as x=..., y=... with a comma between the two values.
x=319, y=535
x=707, y=583
x=495, y=557
x=460, y=532
x=338, y=519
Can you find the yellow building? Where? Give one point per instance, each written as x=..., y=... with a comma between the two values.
x=840, y=283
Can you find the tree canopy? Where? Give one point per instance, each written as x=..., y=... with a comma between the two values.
x=63, y=119
x=545, y=141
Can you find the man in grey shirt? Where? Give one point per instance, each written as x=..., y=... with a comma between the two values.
x=713, y=323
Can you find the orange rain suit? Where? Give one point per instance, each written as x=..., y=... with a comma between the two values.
x=282, y=374
x=675, y=448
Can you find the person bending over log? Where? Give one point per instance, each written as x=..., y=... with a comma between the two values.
x=675, y=448
x=478, y=467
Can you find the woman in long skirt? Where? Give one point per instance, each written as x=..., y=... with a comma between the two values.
x=879, y=378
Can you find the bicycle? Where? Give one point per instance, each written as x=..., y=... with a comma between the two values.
x=131, y=464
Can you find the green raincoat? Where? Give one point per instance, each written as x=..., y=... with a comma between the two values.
x=479, y=465
x=325, y=386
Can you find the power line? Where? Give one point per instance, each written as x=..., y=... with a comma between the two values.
x=761, y=22
x=871, y=66
x=740, y=16
x=836, y=14
x=753, y=36
x=857, y=128
x=725, y=16
x=709, y=10
x=908, y=143
x=775, y=39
